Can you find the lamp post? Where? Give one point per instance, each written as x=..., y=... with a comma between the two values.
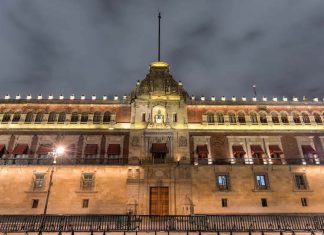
x=57, y=152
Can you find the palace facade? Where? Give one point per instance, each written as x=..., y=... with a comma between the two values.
x=160, y=151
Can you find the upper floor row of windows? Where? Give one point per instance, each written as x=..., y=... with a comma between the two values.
x=58, y=117
x=262, y=118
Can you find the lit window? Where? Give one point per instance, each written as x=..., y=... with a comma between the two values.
x=38, y=181
x=223, y=182
x=261, y=182
x=87, y=181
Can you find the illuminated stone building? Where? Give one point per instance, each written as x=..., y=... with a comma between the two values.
x=160, y=151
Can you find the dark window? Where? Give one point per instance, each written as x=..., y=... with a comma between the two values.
x=16, y=117
x=261, y=182
x=51, y=117
x=61, y=117
x=74, y=117
x=264, y=202
x=29, y=117
x=303, y=201
x=317, y=118
x=284, y=118
x=39, y=117
x=220, y=118
x=84, y=117
x=210, y=118
x=253, y=118
x=224, y=202
x=305, y=118
x=96, y=118
x=275, y=118
x=241, y=118
x=107, y=117
x=6, y=118
x=175, y=117
x=296, y=118
x=263, y=118
x=85, y=203
x=232, y=118
x=223, y=182
x=35, y=203
x=87, y=181
x=300, y=182
x=143, y=117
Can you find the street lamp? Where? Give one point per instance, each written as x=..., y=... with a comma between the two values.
x=58, y=151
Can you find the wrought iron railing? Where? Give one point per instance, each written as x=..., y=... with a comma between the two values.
x=201, y=223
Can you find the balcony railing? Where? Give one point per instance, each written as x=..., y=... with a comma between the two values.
x=148, y=223
x=67, y=160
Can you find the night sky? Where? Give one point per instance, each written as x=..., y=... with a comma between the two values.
x=216, y=47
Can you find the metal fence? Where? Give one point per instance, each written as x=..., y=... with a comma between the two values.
x=148, y=223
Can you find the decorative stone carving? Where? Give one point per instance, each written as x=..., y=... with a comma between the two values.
x=183, y=141
x=135, y=141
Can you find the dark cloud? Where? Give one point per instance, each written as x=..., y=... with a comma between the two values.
x=215, y=47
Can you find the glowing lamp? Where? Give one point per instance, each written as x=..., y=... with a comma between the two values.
x=264, y=98
x=29, y=97
x=202, y=98
x=83, y=97
x=93, y=97
x=254, y=99
x=115, y=97
x=213, y=98
x=233, y=98
x=223, y=98
x=72, y=97
x=315, y=99
x=39, y=97
x=104, y=97
x=7, y=97
x=243, y=98
x=18, y=97
x=50, y=97
x=295, y=98
x=274, y=99
x=61, y=97
x=284, y=98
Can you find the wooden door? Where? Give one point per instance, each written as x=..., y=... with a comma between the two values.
x=159, y=201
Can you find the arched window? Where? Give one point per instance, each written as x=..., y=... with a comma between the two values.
x=220, y=118
x=97, y=118
x=29, y=117
x=284, y=118
x=296, y=118
x=241, y=118
x=6, y=118
x=263, y=118
x=254, y=119
x=16, y=117
x=318, y=118
x=232, y=118
x=306, y=119
x=61, y=117
x=74, y=117
x=107, y=117
x=210, y=118
x=275, y=118
x=51, y=117
x=84, y=117
x=39, y=117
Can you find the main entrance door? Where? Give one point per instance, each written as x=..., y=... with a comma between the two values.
x=159, y=201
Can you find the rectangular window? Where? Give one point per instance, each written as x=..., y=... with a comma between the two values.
x=38, y=182
x=303, y=201
x=300, y=181
x=35, y=203
x=175, y=117
x=87, y=181
x=264, y=202
x=224, y=202
x=261, y=182
x=85, y=203
x=223, y=182
x=143, y=117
